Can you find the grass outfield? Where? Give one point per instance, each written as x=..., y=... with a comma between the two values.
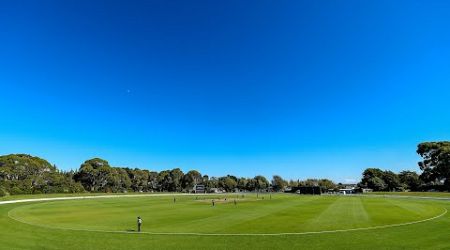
x=101, y=223
x=36, y=196
x=419, y=194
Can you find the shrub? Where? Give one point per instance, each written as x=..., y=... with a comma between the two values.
x=3, y=192
x=16, y=190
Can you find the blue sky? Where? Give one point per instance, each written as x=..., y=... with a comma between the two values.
x=296, y=88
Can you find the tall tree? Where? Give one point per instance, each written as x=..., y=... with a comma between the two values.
x=392, y=181
x=278, y=183
x=124, y=181
x=311, y=182
x=261, y=183
x=177, y=178
x=213, y=183
x=229, y=183
x=373, y=178
x=410, y=179
x=436, y=161
x=26, y=174
x=191, y=179
x=93, y=174
x=294, y=183
x=139, y=179
x=326, y=184
x=164, y=180
x=242, y=183
x=153, y=183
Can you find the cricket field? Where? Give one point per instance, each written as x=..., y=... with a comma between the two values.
x=236, y=221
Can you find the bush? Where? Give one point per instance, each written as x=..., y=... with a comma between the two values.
x=76, y=188
x=17, y=190
x=37, y=192
x=3, y=192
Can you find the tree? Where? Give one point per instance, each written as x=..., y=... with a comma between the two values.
x=436, y=161
x=373, y=178
x=164, y=180
x=139, y=179
x=251, y=184
x=391, y=180
x=177, y=178
x=278, y=183
x=205, y=180
x=22, y=166
x=213, y=183
x=26, y=174
x=153, y=182
x=242, y=183
x=261, y=182
x=326, y=184
x=294, y=183
x=123, y=180
x=229, y=183
x=376, y=183
x=191, y=179
x=310, y=183
x=411, y=180
x=93, y=174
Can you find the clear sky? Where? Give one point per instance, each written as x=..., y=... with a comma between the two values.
x=299, y=88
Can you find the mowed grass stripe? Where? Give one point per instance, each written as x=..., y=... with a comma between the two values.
x=384, y=211
x=418, y=208
x=344, y=212
x=286, y=216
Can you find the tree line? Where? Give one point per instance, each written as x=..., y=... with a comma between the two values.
x=26, y=174
x=435, y=167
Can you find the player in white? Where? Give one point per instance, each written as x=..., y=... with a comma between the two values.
x=139, y=223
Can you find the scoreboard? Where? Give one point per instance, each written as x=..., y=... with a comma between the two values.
x=199, y=188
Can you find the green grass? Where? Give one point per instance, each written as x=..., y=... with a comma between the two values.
x=49, y=225
x=36, y=196
x=419, y=194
